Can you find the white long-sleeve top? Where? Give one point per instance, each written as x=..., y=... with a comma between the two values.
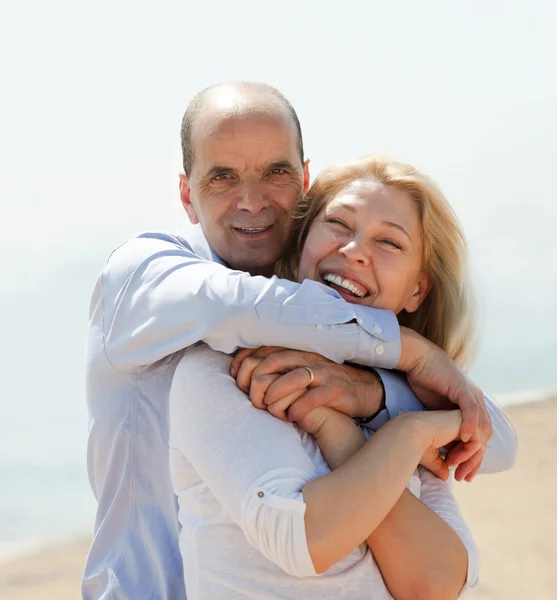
x=238, y=474
x=158, y=294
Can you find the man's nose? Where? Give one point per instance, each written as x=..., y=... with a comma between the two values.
x=252, y=197
x=356, y=250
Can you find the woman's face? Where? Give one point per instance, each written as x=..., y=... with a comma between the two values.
x=367, y=245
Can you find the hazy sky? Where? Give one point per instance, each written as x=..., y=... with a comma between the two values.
x=93, y=94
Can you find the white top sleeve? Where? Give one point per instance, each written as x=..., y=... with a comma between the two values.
x=437, y=495
x=156, y=297
x=502, y=448
x=253, y=463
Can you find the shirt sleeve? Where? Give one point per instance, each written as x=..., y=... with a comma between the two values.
x=254, y=464
x=155, y=297
x=437, y=495
x=502, y=447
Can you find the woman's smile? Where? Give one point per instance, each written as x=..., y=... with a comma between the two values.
x=367, y=246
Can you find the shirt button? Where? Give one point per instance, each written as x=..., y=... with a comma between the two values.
x=379, y=350
x=319, y=326
x=377, y=329
x=260, y=494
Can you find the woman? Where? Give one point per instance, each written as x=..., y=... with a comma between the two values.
x=261, y=511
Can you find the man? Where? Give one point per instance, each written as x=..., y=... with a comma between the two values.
x=244, y=171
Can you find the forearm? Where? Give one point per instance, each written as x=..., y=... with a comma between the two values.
x=420, y=556
x=345, y=506
x=501, y=449
x=418, y=553
x=339, y=439
x=155, y=297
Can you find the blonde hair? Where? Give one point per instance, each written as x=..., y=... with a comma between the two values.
x=447, y=314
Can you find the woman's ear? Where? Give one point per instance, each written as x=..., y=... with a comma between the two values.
x=421, y=290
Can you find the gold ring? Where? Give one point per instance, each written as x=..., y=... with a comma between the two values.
x=311, y=375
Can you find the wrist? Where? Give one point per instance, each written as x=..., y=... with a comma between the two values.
x=373, y=398
x=412, y=348
x=320, y=420
x=331, y=422
x=415, y=431
x=370, y=392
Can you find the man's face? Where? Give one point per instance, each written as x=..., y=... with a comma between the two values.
x=244, y=183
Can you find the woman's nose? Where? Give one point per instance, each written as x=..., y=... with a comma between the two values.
x=356, y=251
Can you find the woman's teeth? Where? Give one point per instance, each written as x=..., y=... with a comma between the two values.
x=345, y=283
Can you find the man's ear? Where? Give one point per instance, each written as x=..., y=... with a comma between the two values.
x=185, y=192
x=306, y=176
x=422, y=289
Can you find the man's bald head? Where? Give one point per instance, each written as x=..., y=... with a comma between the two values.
x=229, y=100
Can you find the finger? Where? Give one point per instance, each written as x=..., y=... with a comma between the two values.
x=465, y=469
x=463, y=452
x=297, y=380
x=258, y=389
x=468, y=404
x=239, y=358
x=245, y=372
x=279, y=408
x=486, y=426
x=473, y=473
x=437, y=466
x=284, y=361
x=313, y=398
x=242, y=354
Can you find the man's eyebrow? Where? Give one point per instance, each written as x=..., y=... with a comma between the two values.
x=282, y=164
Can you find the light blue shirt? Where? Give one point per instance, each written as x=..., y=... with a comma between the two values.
x=157, y=295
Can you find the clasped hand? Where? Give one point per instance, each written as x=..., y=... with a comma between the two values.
x=277, y=380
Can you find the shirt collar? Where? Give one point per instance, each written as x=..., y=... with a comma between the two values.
x=196, y=240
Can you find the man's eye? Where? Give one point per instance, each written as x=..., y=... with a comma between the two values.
x=278, y=172
x=221, y=177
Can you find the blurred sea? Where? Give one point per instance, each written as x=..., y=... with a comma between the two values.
x=44, y=302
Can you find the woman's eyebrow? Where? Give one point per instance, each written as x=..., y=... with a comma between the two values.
x=347, y=206
x=397, y=226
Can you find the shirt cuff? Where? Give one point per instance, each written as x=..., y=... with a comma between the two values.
x=399, y=398
x=274, y=524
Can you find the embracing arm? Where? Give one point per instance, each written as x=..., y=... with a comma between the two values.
x=155, y=297
x=264, y=479
x=419, y=554
x=502, y=448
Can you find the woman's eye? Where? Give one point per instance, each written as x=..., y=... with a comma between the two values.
x=337, y=222
x=391, y=243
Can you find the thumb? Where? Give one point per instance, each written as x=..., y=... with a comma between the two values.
x=434, y=463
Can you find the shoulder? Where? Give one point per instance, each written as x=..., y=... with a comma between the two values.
x=202, y=372
x=141, y=246
x=138, y=252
